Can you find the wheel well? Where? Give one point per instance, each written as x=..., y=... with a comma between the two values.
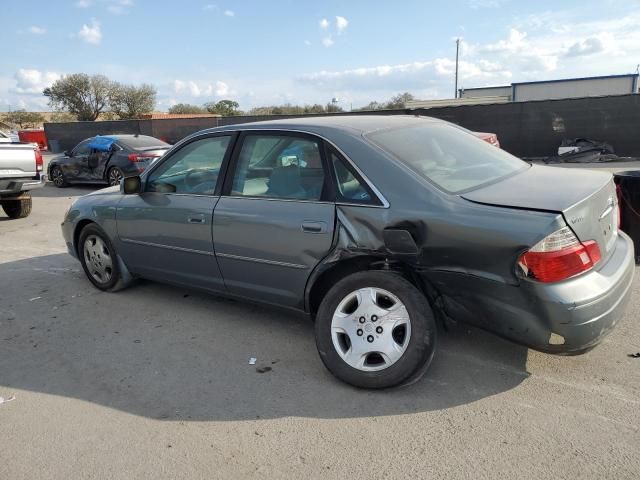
x=76, y=233
x=331, y=276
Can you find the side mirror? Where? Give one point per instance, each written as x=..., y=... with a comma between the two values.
x=131, y=185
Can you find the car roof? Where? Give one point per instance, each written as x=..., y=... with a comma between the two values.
x=360, y=124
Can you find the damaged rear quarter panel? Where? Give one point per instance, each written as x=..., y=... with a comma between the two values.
x=465, y=251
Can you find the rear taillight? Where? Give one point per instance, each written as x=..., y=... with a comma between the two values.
x=558, y=257
x=140, y=159
x=39, y=160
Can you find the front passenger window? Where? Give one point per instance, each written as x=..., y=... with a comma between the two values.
x=193, y=169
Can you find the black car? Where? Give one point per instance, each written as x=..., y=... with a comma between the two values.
x=106, y=159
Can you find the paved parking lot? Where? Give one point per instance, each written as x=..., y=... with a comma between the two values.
x=154, y=382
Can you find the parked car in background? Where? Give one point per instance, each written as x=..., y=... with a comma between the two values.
x=20, y=172
x=490, y=138
x=106, y=159
x=9, y=137
x=374, y=226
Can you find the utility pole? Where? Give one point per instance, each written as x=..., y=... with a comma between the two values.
x=455, y=94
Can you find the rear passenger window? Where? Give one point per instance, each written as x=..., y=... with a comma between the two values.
x=350, y=188
x=277, y=166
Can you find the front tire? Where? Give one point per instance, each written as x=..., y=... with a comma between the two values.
x=99, y=259
x=18, y=208
x=375, y=330
x=57, y=177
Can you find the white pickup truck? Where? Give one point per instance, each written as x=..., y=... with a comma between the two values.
x=20, y=171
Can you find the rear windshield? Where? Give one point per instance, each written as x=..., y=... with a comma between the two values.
x=451, y=158
x=142, y=142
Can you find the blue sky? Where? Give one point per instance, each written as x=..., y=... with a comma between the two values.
x=276, y=51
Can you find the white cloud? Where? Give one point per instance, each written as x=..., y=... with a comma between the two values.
x=341, y=23
x=229, y=13
x=587, y=46
x=324, y=24
x=32, y=81
x=83, y=3
x=327, y=41
x=210, y=6
x=476, y=4
x=514, y=42
x=119, y=7
x=37, y=30
x=91, y=34
x=201, y=89
x=307, y=43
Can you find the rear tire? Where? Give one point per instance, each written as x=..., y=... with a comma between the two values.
x=375, y=330
x=18, y=208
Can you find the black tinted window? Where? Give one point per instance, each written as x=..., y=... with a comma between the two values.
x=82, y=148
x=451, y=158
x=142, y=141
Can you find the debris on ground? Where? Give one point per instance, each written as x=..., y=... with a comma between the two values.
x=252, y=361
x=7, y=400
x=585, y=150
x=34, y=298
x=634, y=355
x=263, y=369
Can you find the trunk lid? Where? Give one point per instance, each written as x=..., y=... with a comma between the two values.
x=586, y=199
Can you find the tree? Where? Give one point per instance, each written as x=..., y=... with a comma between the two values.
x=370, y=106
x=226, y=108
x=84, y=96
x=186, y=108
x=399, y=101
x=334, y=108
x=129, y=101
x=24, y=119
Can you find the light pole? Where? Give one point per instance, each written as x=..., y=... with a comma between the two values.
x=455, y=93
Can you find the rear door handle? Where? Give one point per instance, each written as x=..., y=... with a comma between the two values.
x=196, y=219
x=314, y=227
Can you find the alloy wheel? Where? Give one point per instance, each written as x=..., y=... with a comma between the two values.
x=115, y=175
x=56, y=177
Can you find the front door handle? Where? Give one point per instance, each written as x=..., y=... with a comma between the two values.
x=196, y=219
x=314, y=227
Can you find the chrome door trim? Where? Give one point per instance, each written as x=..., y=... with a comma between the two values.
x=261, y=260
x=168, y=247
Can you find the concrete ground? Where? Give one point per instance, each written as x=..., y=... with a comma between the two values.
x=154, y=382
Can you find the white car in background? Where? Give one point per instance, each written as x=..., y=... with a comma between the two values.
x=10, y=137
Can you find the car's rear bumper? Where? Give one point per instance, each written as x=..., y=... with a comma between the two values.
x=568, y=317
x=581, y=311
x=10, y=187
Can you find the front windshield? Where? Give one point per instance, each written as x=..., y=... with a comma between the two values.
x=451, y=158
